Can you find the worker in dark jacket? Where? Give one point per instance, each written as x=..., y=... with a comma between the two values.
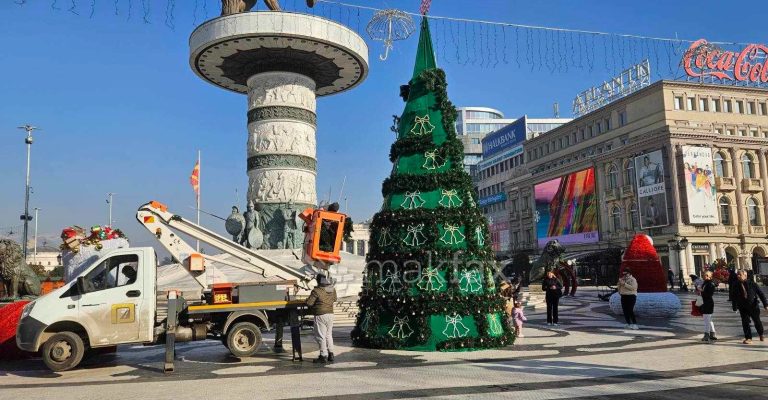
x=320, y=303
x=554, y=290
x=708, y=307
x=745, y=297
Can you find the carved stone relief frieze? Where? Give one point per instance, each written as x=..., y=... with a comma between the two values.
x=281, y=88
x=281, y=186
x=281, y=137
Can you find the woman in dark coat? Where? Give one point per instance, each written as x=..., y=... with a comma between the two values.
x=554, y=290
x=708, y=307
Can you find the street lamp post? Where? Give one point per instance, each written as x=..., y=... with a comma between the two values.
x=26, y=217
x=678, y=243
x=109, y=201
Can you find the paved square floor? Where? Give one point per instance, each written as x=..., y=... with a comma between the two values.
x=590, y=355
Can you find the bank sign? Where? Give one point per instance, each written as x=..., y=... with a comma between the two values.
x=505, y=138
x=496, y=198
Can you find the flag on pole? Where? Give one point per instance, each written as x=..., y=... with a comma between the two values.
x=194, y=179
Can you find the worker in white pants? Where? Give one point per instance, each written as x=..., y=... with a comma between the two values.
x=320, y=303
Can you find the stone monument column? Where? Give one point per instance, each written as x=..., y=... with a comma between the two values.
x=282, y=161
x=282, y=61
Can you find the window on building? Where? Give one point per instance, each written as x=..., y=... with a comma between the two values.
x=750, y=107
x=528, y=236
x=629, y=172
x=616, y=216
x=634, y=217
x=716, y=105
x=515, y=239
x=719, y=131
x=691, y=104
x=725, y=211
x=599, y=127
x=742, y=132
x=589, y=130
x=622, y=118
x=607, y=124
x=613, y=177
x=763, y=108
x=678, y=103
x=727, y=106
x=748, y=166
x=753, y=133
x=738, y=107
x=703, y=105
x=475, y=141
x=583, y=135
x=719, y=164
x=752, y=212
x=729, y=132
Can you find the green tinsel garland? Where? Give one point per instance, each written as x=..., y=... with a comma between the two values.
x=399, y=183
x=452, y=149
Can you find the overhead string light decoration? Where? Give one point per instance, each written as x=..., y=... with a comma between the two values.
x=461, y=41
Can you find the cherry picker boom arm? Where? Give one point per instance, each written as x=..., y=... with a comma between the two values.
x=154, y=216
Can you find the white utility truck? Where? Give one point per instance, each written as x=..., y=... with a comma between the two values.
x=115, y=300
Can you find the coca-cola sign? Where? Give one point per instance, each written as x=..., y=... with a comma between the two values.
x=704, y=59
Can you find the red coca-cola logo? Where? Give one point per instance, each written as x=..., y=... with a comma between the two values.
x=750, y=65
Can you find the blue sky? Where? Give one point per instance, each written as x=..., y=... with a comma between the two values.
x=122, y=112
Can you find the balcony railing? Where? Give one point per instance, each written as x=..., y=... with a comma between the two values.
x=725, y=183
x=610, y=194
x=751, y=185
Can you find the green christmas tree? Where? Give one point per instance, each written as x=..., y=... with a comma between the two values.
x=429, y=281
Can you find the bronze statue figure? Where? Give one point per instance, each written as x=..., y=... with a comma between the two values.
x=229, y=7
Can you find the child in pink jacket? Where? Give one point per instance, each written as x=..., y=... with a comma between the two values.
x=518, y=317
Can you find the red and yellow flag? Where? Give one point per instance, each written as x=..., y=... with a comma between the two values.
x=194, y=179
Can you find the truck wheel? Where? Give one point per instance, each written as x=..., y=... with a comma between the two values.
x=63, y=351
x=243, y=339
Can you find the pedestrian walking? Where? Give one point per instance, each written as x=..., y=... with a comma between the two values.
x=745, y=299
x=628, y=291
x=671, y=279
x=320, y=303
x=696, y=282
x=518, y=317
x=681, y=282
x=708, y=307
x=554, y=290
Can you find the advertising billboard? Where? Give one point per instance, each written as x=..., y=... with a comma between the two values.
x=651, y=193
x=700, y=185
x=505, y=138
x=499, y=236
x=566, y=209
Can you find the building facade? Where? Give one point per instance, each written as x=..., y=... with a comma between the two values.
x=360, y=238
x=502, y=155
x=682, y=162
x=472, y=124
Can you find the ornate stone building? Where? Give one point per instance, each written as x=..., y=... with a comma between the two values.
x=668, y=117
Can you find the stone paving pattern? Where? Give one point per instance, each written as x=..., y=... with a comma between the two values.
x=590, y=355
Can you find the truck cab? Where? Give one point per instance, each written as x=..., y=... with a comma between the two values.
x=113, y=301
